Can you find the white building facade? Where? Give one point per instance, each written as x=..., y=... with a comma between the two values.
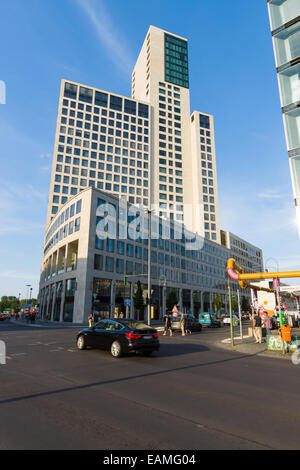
x=91, y=250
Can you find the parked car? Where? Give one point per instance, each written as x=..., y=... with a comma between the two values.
x=4, y=316
x=245, y=316
x=210, y=320
x=235, y=320
x=120, y=337
x=191, y=321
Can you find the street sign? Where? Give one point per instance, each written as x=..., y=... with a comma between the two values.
x=127, y=302
x=175, y=311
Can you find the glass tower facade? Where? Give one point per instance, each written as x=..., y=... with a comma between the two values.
x=285, y=26
x=176, y=61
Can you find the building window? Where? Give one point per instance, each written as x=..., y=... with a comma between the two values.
x=204, y=121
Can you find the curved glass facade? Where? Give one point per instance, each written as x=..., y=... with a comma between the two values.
x=285, y=25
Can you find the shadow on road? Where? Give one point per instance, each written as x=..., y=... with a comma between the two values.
x=131, y=377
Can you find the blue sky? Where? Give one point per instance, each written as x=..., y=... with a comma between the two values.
x=232, y=75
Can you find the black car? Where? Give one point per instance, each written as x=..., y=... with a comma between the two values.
x=120, y=337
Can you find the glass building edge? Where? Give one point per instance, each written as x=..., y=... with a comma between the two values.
x=282, y=12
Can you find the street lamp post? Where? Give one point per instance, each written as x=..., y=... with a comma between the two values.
x=149, y=266
x=230, y=313
x=28, y=287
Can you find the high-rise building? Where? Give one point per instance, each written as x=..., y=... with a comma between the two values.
x=113, y=153
x=148, y=148
x=184, y=163
x=103, y=141
x=285, y=26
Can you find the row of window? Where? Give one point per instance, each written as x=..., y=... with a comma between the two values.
x=103, y=130
x=121, y=266
x=65, y=215
x=97, y=112
x=136, y=251
x=68, y=229
x=105, y=100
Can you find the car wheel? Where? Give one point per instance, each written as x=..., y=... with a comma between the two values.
x=147, y=353
x=116, y=349
x=81, y=342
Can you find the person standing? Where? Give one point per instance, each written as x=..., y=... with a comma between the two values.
x=182, y=324
x=91, y=319
x=188, y=326
x=257, y=328
x=168, y=325
x=267, y=323
x=285, y=332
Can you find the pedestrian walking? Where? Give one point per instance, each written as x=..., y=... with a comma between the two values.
x=91, y=319
x=168, y=325
x=182, y=324
x=285, y=332
x=257, y=329
x=188, y=330
x=267, y=323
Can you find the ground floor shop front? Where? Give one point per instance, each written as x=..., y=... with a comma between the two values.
x=62, y=301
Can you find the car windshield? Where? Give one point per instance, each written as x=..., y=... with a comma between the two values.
x=136, y=325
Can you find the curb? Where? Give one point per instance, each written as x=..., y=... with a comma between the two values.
x=47, y=324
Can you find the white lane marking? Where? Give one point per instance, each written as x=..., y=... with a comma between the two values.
x=18, y=354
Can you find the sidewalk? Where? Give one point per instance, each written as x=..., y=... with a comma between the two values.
x=247, y=345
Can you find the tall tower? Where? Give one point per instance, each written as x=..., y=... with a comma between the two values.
x=285, y=25
x=148, y=149
x=183, y=167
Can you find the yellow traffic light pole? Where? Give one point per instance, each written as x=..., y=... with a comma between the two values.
x=236, y=273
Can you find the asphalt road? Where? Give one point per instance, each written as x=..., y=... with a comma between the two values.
x=190, y=395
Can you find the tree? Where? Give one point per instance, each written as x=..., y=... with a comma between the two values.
x=9, y=302
x=138, y=299
x=217, y=303
x=234, y=303
x=245, y=304
x=172, y=299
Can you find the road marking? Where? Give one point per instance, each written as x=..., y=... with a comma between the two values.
x=18, y=354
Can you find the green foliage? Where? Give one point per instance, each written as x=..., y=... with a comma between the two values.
x=245, y=304
x=172, y=299
x=11, y=302
x=217, y=303
x=234, y=303
x=138, y=299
